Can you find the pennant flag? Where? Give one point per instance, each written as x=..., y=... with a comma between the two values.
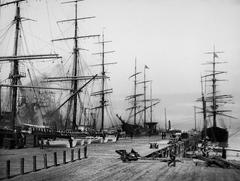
x=215, y=55
x=146, y=67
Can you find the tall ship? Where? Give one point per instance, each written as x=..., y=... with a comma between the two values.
x=67, y=100
x=139, y=122
x=214, y=128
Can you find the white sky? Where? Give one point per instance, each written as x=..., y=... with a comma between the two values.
x=169, y=36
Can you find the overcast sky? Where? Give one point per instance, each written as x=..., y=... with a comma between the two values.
x=169, y=36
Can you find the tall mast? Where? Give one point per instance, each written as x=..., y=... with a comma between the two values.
x=151, y=110
x=15, y=72
x=103, y=77
x=165, y=113
x=15, y=76
x=216, y=100
x=74, y=80
x=204, y=110
x=214, y=106
x=144, y=89
x=103, y=82
x=195, y=118
x=135, y=93
x=214, y=89
x=75, y=69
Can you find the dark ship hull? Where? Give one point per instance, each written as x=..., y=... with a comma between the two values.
x=217, y=134
x=138, y=130
x=131, y=129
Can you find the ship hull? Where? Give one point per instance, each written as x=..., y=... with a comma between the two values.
x=217, y=134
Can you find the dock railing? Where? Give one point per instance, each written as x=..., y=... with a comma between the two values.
x=178, y=147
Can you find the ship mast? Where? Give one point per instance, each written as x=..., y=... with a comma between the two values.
x=204, y=110
x=145, y=95
x=104, y=91
x=135, y=92
x=15, y=74
x=214, y=105
x=165, y=113
x=151, y=110
x=214, y=108
x=75, y=69
x=74, y=81
x=135, y=95
x=103, y=84
x=216, y=100
x=145, y=107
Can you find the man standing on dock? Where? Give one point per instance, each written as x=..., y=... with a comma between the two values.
x=172, y=155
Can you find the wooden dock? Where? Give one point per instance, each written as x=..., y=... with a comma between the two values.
x=104, y=164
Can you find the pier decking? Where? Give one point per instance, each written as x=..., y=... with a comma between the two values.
x=104, y=164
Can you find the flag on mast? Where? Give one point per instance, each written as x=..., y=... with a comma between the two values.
x=146, y=67
x=215, y=55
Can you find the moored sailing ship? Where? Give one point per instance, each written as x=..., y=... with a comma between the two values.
x=212, y=104
x=37, y=106
x=136, y=125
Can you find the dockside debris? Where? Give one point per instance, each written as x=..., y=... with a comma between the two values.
x=199, y=151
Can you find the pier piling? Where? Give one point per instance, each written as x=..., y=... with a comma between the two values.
x=55, y=158
x=64, y=157
x=85, y=151
x=72, y=155
x=45, y=160
x=34, y=163
x=79, y=154
x=22, y=166
x=8, y=169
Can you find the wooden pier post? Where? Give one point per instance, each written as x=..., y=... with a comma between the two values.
x=34, y=163
x=85, y=151
x=8, y=169
x=72, y=155
x=22, y=166
x=79, y=154
x=55, y=158
x=64, y=157
x=45, y=160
